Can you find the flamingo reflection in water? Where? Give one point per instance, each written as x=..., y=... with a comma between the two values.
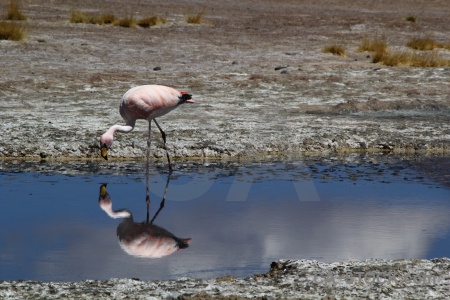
x=143, y=239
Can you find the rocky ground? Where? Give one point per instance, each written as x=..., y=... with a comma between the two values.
x=262, y=86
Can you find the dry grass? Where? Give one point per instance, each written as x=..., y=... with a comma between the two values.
x=14, y=11
x=422, y=43
x=377, y=44
x=77, y=16
x=195, y=19
x=407, y=58
x=411, y=18
x=426, y=43
x=428, y=60
x=391, y=58
x=109, y=19
x=334, y=49
x=151, y=21
x=12, y=31
x=105, y=19
x=128, y=21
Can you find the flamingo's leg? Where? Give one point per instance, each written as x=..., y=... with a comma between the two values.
x=147, y=168
x=163, y=134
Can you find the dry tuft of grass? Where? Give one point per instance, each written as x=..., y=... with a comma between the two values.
x=393, y=58
x=334, y=49
x=411, y=18
x=151, y=21
x=377, y=44
x=422, y=43
x=106, y=19
x=14, y=11
x=195, y=19
x=12, y=31
x=77, y=16
x=128, y=21
x=428, y=60
x=109, y=19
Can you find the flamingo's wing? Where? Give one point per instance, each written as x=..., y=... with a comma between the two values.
x=148, y=101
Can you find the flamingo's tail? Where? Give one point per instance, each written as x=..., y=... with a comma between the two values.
x=185, y=97
x=183, y=243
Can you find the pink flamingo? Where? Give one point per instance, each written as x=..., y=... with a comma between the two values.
x=145, y=102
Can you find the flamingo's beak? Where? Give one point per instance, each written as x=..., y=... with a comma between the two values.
x=190, y=101
x=103, y=190
x=104, y=152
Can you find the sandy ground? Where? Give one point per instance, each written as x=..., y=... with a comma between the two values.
x=256, y=69
x=262, y=86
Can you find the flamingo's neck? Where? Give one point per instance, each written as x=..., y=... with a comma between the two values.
x=108, y=136
x=107, y=208
x=120, y=128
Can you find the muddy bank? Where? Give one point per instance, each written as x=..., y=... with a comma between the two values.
x=256, y=69
x=305, y=279
x=368, y=166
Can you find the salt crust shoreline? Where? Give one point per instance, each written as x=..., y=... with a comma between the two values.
x=286, y=279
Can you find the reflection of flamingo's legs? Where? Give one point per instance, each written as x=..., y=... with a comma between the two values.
x=147, y=200
x=161, y=205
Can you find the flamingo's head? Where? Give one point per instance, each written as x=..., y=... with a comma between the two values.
x=106, y=205
x=105, y=143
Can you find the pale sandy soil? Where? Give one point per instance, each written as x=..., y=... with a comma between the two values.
x=60, y=89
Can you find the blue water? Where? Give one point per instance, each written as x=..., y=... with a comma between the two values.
x=240, y=218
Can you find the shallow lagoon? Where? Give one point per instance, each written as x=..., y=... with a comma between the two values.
x=240, y=216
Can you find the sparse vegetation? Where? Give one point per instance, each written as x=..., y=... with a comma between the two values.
x=109, y=19
x=195, y=19
x=128, y=22
x=106, y=19
x=426, y=43
x=151, y=21
x=383, y=55
x=77, y=16
x=377, y=44
x=14, y=11
x=394, y=58
x=428, y=60
x=12, y=31
x=422, y=43
x=334, y=49
x=411, y=18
